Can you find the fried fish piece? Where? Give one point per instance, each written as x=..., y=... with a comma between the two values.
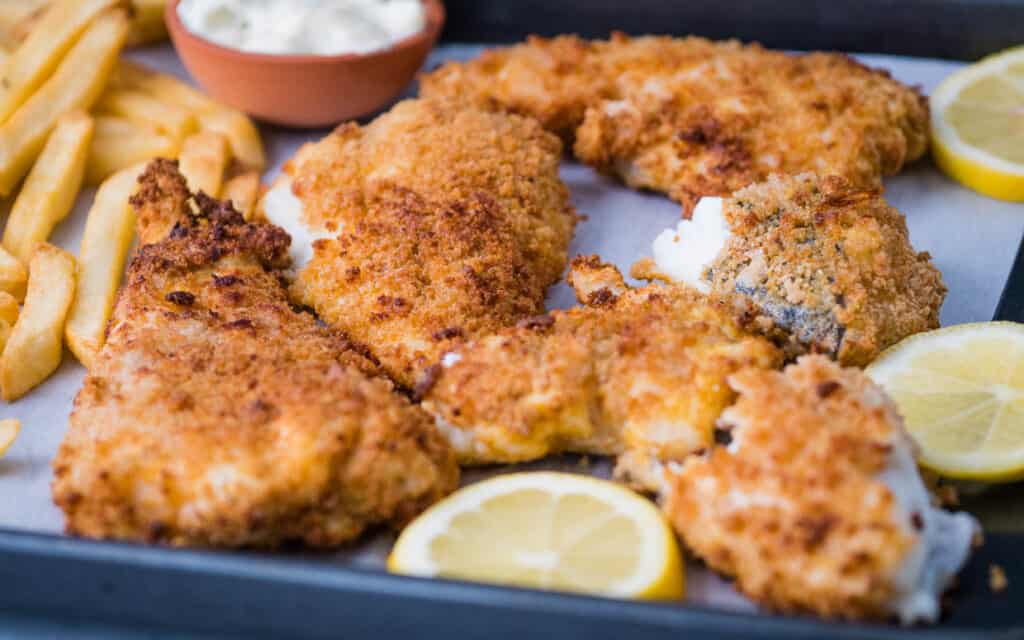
x=690, y=117
x=216, y=415
x=816, y=505
x=637, y=372
x=552, y=80
x=826, y=265
x=433, y=224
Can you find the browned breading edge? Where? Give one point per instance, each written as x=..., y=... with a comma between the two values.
x=691, y=117
x=217, y=415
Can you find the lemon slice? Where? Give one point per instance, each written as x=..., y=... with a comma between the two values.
x=9, y=428
x=978, y=125
x=546, y=531
x=961, y=393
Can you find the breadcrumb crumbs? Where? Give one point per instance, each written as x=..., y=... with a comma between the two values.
x=997, y=581
x=948, y=495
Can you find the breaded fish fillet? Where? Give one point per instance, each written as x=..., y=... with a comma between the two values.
x=828, y=266
x=638, y=372
x=432, y=224
x=691, y=117
x=816, y=505
x=552, y=80
x=217, y=415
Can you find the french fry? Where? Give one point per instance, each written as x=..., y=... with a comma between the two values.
x=109, y=230
x=119, y=144
x=51, y=188
x=147, y=22
x=170, y=119
x=18, y=17
x=203, y=159
x=9, y=428
x=22, y=30
x=34, y=348
x=76, y=84
x=242, y=134
x=8, y=316
x=8, y=310
x=243, y=190
x=115, y=126
x=13, y=275
x=16, y=11
x=129, y=75
x=43, y=48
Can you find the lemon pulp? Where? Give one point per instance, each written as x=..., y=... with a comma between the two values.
x=961, y=393
x=978, y=125
x=547, y=531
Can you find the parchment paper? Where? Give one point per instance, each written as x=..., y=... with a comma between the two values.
x=973, y=240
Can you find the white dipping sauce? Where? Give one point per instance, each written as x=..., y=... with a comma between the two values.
x=682, y=254
x=284, y=209
x=317, y=27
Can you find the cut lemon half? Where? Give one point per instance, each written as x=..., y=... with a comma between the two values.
x=961, y=393
x=9, y=429
x=978, y=125
x=546, y=531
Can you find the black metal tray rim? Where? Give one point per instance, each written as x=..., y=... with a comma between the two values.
x=161, y=568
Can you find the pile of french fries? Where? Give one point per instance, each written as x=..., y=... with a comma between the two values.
x=19, y=17
x=74, y=113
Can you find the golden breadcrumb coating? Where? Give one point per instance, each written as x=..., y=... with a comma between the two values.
x=691, y=117
x=552, y=80
x=635, y=371
x=451, y=223
x=795, y=507
x=217, y=415
x=828, y=264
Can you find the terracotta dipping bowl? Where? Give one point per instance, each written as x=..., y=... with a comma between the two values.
x=305, y=90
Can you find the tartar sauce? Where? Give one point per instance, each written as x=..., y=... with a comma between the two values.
x=318, y=27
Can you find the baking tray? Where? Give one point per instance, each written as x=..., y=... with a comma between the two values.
x=313, y=595
x=261, y=596
x=304, y=595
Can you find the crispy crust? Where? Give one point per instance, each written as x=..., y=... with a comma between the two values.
x=640, y=371
x=793, y=508
x=419, y=277
x=453, y=223
x=829, y=264
x=160, y=202
x=691, y=117
x=217, y=415
x=551, y=80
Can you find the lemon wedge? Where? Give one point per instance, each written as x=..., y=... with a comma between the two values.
x=961, y=393
x=978, y=125
x=9, y=428
x=546, y=531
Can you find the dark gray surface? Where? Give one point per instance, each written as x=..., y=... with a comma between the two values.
x=954, y=29
x=18, y=627
x=280, y=596
x=1011, y=303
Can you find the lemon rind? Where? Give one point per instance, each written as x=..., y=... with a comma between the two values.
x=969, y=466
x=659, y=573
x=970, y=165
